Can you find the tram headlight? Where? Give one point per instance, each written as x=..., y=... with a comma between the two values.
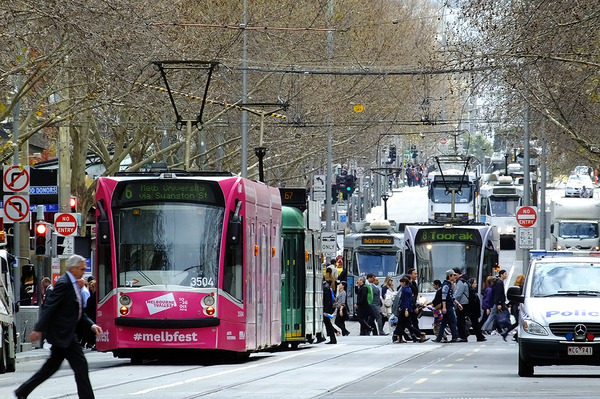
x=125, y=300
x=208, y=300
x=124, y=310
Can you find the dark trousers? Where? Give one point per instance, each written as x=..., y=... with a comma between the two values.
x=329, y=328
x=377, y=322
x=363, y=314
x=461, y=317
x=76, y=359
x=404, y=323
x=340, y=322
x=476, y=326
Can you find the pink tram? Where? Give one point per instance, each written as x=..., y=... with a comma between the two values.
x=187, y=261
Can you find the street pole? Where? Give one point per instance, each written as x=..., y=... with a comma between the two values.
x=16, y=226
x=244, y=158
x=526, y=178
x=329, y=175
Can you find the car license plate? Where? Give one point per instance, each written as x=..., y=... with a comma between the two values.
x=579, y=350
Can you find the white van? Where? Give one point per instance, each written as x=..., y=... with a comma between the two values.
x=559, y=320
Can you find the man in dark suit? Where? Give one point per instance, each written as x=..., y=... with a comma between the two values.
x=58, y=319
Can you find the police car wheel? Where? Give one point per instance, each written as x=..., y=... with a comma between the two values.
x=525, y=369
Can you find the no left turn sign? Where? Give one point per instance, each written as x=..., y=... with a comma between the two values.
x=16, y=208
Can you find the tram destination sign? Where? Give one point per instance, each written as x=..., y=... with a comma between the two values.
x=166, y=191
x=377, y=240
x=449, y=235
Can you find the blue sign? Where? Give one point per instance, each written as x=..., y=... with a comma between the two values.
x=343, y=218
x=33, y=190
x=33, y=208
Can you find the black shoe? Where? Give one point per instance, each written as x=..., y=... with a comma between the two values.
x=481, y=339
x=346, y=333
x=331, y=343
x=438, y=340
x=453, y=340
x=463, y=340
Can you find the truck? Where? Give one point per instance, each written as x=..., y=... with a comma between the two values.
x=574, y=223
x=8, y=329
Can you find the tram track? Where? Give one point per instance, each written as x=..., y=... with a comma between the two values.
x=155, y=386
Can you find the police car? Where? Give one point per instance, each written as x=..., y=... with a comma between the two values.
x=559, y=322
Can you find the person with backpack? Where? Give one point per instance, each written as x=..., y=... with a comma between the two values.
x=461, y=293
x=448, y=305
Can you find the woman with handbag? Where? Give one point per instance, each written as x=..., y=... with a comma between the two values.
x=342, y=311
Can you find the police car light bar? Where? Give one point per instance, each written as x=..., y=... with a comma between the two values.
x=556, y=254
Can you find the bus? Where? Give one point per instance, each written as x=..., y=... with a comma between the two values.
x=187, y=261
x=451, y=196
x=374, y=247
x=301, y=276
x=433, y=249
x=497, y=206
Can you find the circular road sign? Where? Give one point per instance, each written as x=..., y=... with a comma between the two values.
x=16, y=178
x=65, y=224
x=443, y=141
x=526, y=216
x=16, y=208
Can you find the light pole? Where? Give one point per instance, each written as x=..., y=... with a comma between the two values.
x=385, y=197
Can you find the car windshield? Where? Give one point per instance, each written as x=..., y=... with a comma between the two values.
x=579, y=181
x=558, y=279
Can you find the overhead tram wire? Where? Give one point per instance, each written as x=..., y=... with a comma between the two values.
x=370, y=72
x=207, y=101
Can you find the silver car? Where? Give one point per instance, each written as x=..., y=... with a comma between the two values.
x=575, y=186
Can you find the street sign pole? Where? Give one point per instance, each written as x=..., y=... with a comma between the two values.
x=526, y=219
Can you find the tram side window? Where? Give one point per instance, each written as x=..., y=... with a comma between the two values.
x=233, y=269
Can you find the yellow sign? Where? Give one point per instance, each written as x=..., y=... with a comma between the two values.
x=358, y=108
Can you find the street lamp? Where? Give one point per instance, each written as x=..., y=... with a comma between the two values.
x=385, y=197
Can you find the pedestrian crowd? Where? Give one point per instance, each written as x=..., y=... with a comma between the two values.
x=458, y=312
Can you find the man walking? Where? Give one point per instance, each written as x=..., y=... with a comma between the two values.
x=59, y=315
x=448, y=304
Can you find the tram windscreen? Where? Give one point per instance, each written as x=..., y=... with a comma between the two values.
x=380, y=264
x=504, y=206
x=168, y=244
x=440, y=195
x=434, y=258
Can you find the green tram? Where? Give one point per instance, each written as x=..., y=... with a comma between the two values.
x=301, y=270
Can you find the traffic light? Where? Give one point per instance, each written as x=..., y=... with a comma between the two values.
x=73, y=204
x=43, y=238
x=392, y=154
x=350, y=185
x=334, y=193
x=413, y=151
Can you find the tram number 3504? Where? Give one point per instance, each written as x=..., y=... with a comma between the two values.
x=201, y=282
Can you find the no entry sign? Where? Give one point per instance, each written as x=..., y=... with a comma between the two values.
x=526, y=216
x=65, y=224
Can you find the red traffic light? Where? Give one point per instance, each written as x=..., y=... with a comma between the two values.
x=40, y=229
x=73, y=203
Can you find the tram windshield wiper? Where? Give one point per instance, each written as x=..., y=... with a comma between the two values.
x=192, y=267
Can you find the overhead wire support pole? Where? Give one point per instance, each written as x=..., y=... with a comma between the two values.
x=244, y=132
